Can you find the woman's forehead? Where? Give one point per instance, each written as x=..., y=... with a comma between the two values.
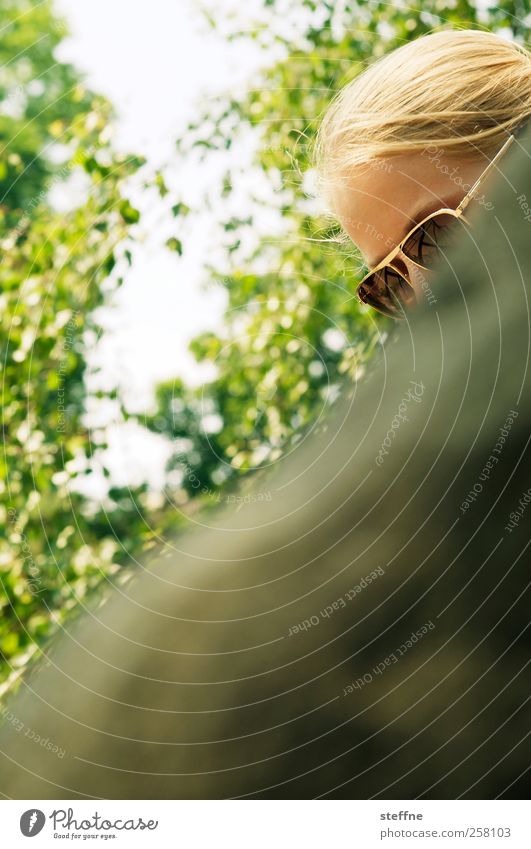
x=378, y=202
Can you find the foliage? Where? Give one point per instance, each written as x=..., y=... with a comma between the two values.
x=56, y=269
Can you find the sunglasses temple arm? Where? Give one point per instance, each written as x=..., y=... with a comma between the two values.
x=472, y=192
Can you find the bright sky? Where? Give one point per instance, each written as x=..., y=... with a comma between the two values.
x=156, y=61
x=155, y=67
x=153, y=60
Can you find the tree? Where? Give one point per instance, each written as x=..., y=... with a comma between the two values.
x=56, y=269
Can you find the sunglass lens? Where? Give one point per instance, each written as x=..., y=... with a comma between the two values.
x=388, y=292
x=432, y=239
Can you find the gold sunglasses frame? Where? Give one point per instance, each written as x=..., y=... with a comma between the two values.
x=456, y=213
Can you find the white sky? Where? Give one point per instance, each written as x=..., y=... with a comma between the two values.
x=156, y=61
x=153, y=58
x=155, y=66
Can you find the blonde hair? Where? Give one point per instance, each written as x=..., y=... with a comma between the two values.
x=460, y=90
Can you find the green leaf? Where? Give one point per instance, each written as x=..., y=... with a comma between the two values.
x=176, y=245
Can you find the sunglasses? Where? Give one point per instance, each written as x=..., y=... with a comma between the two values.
x=385, y=288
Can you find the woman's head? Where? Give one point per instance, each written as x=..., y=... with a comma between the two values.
x=416, y=129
